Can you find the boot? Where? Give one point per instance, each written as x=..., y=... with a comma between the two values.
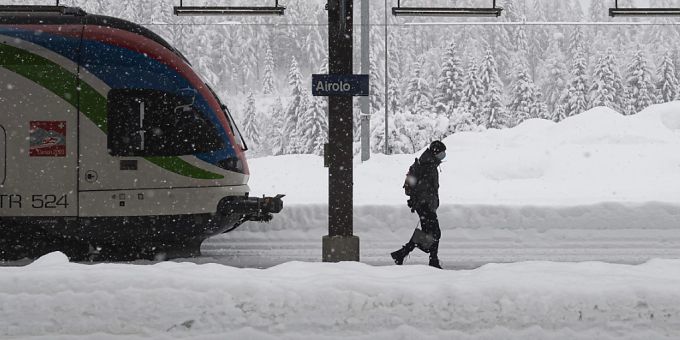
x=434, y=259
x=399, y=255
x=434, y=262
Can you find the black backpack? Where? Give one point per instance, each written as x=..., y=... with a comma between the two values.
x=412, y=178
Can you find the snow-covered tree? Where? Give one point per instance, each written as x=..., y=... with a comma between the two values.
x=525, y=103
x=378, y=133
x=415, y=131
x=598, y=11
x=461, y=120
x=246, y=61
x=377, y=85
x=298, y=141
x=146, y=12
x=658, y=36
x=324, y=66
x=399, y=125
x=607, y=86
x=639, y=81
x=521, y=41
x=667, y=85
x=275, y=143
x=128, y=10
x=420, y=127
x=513, y=10
x=473, y=94
x=356, y=121
x=497, y=41
x=394, y=73
x=314, y=126
x=418, y=96
x=577, y=11
x=577, y=43
x=449, y=94
x=539, y=38
x=268, y=80
x=394, y=99
x=554, y=75
x=538, y=43
x=629, y=103
x=575, y=98
x=250, y=128
x=94, y=7
x=296, y=108
x=493, y=114
x=537, y=12
x=558, y=113
x=315, y=49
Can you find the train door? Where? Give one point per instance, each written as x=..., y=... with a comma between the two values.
x=3, y=154
x=39, y=105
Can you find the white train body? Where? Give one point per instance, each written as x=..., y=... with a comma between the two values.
x=109, y=141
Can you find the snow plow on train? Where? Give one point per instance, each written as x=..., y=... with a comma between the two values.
x=110, y=144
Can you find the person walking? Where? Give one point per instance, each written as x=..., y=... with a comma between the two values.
x=422, y=185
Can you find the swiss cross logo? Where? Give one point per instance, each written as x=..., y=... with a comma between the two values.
x=48, y=139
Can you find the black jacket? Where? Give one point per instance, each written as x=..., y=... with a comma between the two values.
x=427, y=189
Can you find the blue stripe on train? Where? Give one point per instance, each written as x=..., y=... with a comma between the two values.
x=65, y=46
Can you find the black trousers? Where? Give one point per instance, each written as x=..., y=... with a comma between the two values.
x=430, y=224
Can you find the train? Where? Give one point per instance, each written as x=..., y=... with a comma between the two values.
x=111, y=145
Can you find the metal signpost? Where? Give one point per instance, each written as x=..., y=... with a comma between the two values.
x=340, y=244
x=365, y=69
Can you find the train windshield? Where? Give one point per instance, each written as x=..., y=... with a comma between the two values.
x=150, y=123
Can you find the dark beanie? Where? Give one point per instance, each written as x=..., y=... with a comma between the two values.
x=437, y=147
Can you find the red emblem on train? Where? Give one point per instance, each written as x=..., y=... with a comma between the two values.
x=48, y=139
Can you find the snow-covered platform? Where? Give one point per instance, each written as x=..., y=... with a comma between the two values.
x=597, y=186
x=54, y=299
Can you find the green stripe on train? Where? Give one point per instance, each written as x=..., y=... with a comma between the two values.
x=64, y=84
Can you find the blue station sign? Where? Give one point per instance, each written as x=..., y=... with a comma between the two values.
x=354, y=85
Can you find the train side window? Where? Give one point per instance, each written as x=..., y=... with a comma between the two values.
x=151, y=123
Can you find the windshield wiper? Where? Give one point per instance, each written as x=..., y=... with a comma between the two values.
x=233, y=125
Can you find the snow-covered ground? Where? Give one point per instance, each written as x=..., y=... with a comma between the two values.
x=54, y=299
x=598, y=186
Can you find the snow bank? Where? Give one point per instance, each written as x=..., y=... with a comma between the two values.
x=598, y=156
x=348, y=300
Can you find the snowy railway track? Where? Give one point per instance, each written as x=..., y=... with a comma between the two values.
x=467, y=254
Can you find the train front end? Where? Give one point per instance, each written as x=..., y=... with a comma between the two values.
x=152, y=162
